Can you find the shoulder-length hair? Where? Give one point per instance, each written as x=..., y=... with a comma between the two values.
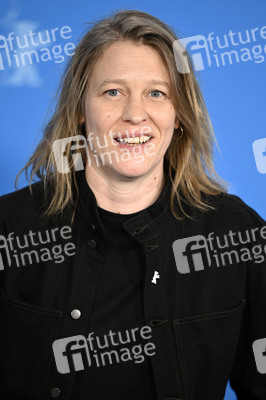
x=190, y=152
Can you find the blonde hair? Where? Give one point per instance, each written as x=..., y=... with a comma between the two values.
x=190, y=153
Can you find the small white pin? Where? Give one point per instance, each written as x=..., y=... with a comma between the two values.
x=155, y=277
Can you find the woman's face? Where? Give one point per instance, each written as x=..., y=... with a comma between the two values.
x=128, y=100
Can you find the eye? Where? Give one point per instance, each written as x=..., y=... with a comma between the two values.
x=112, y=92
x=156, y=93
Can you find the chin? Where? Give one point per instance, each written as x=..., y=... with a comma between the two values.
x=132, y=169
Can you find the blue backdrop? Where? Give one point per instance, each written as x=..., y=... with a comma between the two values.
x=227, y=40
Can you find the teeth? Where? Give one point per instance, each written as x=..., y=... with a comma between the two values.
x=134, y=140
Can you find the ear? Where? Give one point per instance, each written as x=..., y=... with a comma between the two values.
x=81, y=120
x=176, y=123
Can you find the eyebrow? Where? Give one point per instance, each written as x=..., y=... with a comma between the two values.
x=123, y=81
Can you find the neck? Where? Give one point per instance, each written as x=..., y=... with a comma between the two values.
x=122, y=194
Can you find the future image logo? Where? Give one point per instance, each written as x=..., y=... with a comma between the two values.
x=36, y=247
x=71, y=354
x=69, y=151
x=76, y=143
x=191, y=254
x=259, y=150
x=198, y=253
x=198, y=43
x=259, y=350
x=220, y=50
x=77, y=353
x=34, y=47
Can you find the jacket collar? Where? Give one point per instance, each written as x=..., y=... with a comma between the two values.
x=149, y=222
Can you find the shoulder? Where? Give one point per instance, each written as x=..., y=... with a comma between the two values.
x=22, y=198
x=25, y=209
x=229, y=209
x=22, y=207
x=235, y=204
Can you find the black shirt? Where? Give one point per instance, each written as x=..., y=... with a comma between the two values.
x=118, y=307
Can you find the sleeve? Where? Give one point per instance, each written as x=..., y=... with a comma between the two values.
x=248, y=375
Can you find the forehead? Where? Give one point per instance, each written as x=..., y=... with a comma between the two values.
x=126, y=59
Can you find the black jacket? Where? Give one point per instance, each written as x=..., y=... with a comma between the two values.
x=206, y=309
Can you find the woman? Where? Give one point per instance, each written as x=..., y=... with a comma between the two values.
x=127, y=271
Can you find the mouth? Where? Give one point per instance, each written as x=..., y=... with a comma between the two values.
x=134, y=141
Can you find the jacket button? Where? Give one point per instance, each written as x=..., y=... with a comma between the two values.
x=91, y=244
x=92, y=228
x=55, y=392
x=75, y=314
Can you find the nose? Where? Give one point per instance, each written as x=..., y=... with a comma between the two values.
x=134, y=110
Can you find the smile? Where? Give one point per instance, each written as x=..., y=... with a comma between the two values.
x=133, y=141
